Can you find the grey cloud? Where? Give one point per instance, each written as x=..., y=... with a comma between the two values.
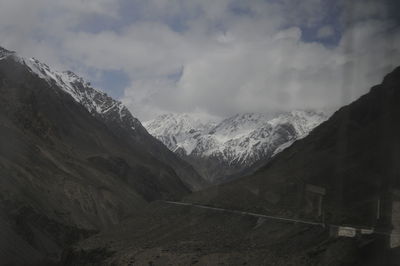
x=325, y=32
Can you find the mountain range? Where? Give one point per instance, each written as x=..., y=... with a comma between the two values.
x=84, y=183
x=221, y=151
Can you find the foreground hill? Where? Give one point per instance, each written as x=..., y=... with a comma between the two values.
x=72, y=161
x=351, y=159
x=236, y=145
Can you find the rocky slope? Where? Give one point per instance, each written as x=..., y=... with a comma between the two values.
x=219, y=151
x=72, y=161
x=114, y=114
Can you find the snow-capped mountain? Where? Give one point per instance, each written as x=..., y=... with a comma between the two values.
x=95, y=101
x=5, y=53
x=179, y=132
x=108, y=110
x=222, y=149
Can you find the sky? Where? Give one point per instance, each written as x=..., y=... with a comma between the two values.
x=212, y=57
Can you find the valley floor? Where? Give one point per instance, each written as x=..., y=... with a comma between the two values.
x=183, y=235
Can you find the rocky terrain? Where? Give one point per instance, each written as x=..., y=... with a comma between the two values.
x=234, y=146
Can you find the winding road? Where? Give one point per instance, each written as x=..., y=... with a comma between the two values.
x=367, y=230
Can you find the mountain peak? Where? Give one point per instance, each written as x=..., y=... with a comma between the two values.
x=5, y=53
x=75, y=78
x=95, y=101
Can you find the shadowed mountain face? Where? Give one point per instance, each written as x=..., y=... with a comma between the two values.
x=68, y=170
x=353, y=158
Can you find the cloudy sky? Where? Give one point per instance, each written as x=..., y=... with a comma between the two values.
x=217, y=57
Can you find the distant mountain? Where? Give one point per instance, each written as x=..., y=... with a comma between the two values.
x=221, y=150
x=72, y=161
x=179, y=132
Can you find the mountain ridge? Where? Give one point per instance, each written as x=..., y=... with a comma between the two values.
x=229, y=147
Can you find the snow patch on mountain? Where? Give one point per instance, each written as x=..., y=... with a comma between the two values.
x=5, y=53
x=95, y=101
x=179, y=132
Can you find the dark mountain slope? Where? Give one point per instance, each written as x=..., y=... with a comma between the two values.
x=66, y=173
x=354, y=156
x=115, y=115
